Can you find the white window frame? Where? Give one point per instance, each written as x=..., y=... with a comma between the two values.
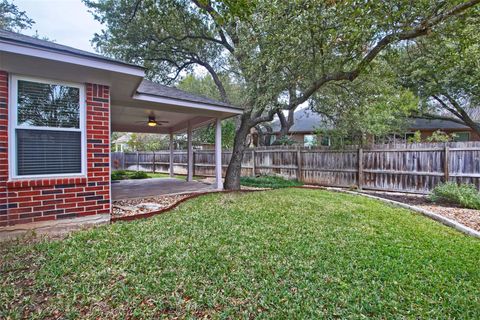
x=13, y=126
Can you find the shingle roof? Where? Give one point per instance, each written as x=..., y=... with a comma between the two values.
x=305, y=120
x=434, y=124
x=10, y=36
x=159, y=90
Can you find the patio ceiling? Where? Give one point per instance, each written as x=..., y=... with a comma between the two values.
x=179, y=108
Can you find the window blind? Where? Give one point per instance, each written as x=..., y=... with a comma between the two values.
x=41, y=152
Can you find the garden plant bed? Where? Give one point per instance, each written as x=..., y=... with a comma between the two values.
x=467, y=217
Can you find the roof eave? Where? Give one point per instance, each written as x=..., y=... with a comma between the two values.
x=187, y=103
x=27, y=49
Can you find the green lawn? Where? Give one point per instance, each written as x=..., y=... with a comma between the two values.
x=286, y=253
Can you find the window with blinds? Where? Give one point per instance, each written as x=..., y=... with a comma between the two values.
x=48, y=130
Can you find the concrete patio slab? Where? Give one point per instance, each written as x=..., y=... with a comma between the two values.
x=130, y=189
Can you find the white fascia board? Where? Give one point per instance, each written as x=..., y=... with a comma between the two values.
x=187, y=104
x=71, y=58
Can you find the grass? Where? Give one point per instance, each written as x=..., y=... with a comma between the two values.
x=287, y=253
x=268, y=182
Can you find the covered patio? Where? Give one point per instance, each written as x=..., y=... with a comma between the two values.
x=158, y=109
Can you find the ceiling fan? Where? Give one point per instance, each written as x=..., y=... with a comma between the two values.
x=152, y=122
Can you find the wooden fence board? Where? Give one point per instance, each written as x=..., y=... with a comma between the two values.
x=416, y=168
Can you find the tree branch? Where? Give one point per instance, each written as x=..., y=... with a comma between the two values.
x=422, y=29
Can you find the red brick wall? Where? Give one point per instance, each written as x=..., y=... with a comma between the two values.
x=25, y=201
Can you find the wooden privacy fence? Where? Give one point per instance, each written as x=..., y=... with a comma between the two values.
x=414, y=168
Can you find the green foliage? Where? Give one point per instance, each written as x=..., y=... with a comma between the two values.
x=138, y=175
x=464, y=195
x=13, y=19
x=372, y=105
x=441, y=136
x=442, y=69
x=273, y=182
x=206, y=86
x=119, y=175
x=281, y=254
x=147, y=142
x=129, y=174
x=417, y=137
x=279, y=52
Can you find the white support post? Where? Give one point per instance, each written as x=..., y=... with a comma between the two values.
x=218, y=154
x=189, y=153
x=170, y=168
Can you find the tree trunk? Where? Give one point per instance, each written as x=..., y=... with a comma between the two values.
x=234, y=170
x=285, y=124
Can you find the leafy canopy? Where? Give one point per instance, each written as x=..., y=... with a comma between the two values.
x=13, y=19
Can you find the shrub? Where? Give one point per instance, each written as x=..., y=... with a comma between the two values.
x=119, y=175
x=268, y=182
x=138, y=175
x=464, y=195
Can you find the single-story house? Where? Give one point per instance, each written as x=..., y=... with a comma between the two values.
x=58, y=107
x=306, y=123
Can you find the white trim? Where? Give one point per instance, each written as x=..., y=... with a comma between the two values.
x=190, y=154
x=50, y=54
x=188, y=104
x=13, y=126
x=218, y=154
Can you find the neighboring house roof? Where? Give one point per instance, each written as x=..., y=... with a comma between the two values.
x=159, y=90
x=44, y=44
x=435, y=124
x=305, y=120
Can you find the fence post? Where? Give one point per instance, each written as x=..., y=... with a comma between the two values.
x=299, y=164
x=193, y=163
x=360, y=168
x=253, y=163
x=445, y=164
x=138, y=161
x=153, y=161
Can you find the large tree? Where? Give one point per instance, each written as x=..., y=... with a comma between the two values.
x=375, y=105
x=282, y=52
x=204, y=85
x=13, y=19
x=444, y=70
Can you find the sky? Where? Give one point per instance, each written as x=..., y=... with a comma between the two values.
x=67, y=22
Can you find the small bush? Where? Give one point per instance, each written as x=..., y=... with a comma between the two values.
x=138, y=175
x=268, y=182
x=464, y=195
x=119, y=175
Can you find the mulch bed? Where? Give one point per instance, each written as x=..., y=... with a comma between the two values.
x=142, y=206
x=467, y=217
